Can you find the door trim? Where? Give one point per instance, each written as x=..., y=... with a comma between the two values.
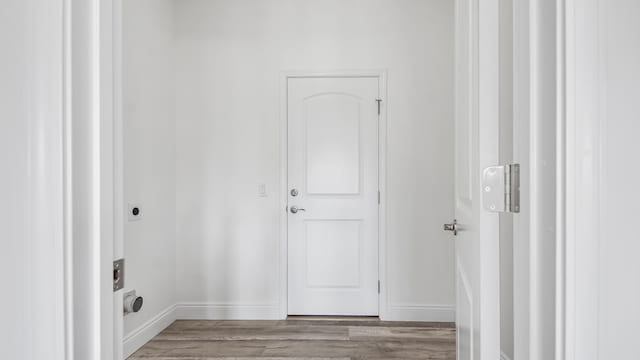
x=535, y=96
x=381, y=74
x=580, y=64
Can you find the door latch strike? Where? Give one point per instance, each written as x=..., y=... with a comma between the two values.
x=118, y=274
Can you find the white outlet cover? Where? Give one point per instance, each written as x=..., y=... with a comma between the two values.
x=130, y=212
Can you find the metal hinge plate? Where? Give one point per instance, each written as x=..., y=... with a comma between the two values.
x=379, y=101
x=118, y=274
x=378, y=286
x=501, y=188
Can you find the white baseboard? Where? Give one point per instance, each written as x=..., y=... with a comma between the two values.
x=140, y=336
x=418, y=312
x=212, y=311
x=503, y=356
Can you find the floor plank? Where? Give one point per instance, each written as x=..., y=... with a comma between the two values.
x=301, y=338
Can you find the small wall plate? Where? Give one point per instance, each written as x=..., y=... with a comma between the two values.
x=134, y=212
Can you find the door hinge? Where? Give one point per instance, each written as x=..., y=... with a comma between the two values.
x=379, y=101
x=118, y=274
x=378, y=286
x=501, y=188
x=378, y=197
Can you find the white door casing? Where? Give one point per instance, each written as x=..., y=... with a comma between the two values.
x=466, y=241
x=477, y=140
x=333, y=165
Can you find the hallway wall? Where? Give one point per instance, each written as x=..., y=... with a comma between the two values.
x=149, y=163
x=230, y=55
x=32, y=184
x=612, y=276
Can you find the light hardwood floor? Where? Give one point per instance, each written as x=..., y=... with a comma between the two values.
x=301, y=338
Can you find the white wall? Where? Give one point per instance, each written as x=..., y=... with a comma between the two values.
x=32, y=308
x=230, y=55
x=14, y=142
x=149, y=161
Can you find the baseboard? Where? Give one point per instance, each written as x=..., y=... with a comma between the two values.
x=503, y=356
x=212, y=311
x=140, y=336
x=418, y=312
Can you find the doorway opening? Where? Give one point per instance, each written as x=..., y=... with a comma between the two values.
x=213, y=155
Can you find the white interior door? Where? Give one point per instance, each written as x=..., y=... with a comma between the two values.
x=477, y=140
x=333, y=195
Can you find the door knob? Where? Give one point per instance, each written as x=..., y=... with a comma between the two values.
x=452, y=227
x=294, y=209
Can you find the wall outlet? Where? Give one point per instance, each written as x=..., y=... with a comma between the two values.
x=135, y=212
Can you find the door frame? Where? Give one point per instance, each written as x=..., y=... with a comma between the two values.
x=538, y=62
x=381, y=74
x=580, y=66
x=103, y=66
x=90, y=144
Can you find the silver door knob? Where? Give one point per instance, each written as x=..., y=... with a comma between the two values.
x=452, y=227
x=294, y=209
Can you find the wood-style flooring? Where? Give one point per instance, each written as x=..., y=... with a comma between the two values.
x=301, y=338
